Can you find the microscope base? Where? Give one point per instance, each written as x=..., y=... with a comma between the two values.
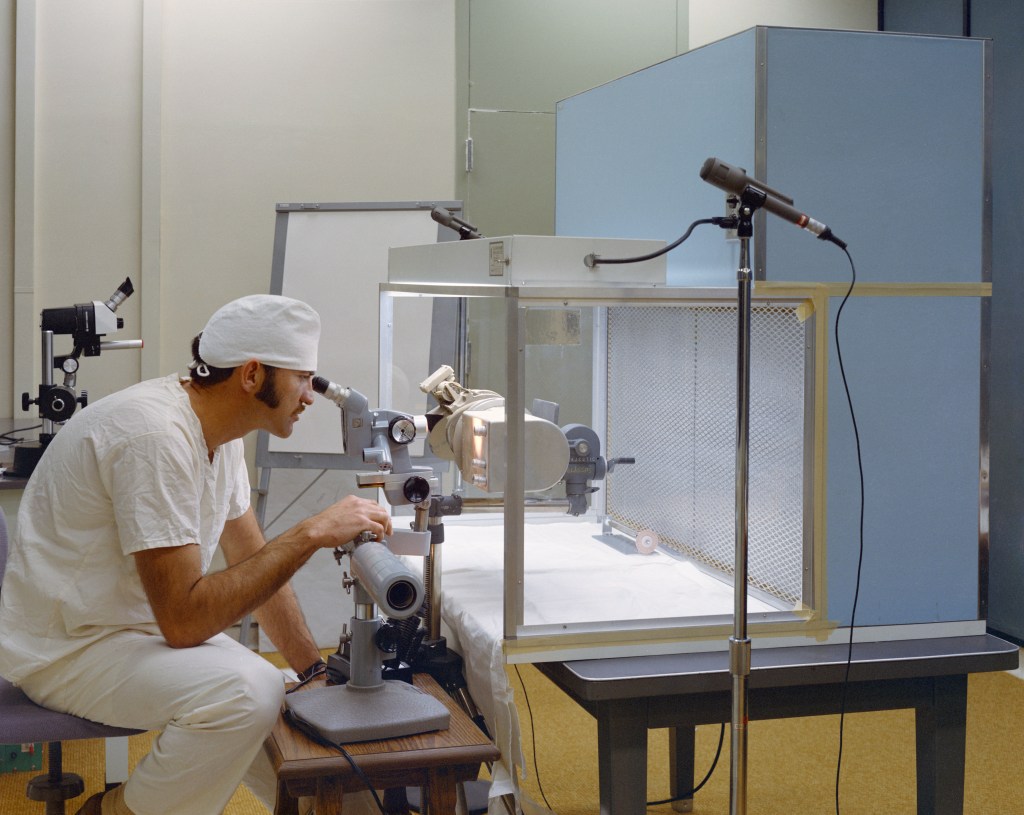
x=339, y=670
x=26, y=457
x=343, y=713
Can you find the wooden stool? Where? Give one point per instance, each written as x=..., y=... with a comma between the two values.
x=436, y=762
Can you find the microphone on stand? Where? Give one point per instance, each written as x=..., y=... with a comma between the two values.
x=735, y=180
x=446, y=218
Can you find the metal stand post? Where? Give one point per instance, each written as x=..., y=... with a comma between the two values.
x=739, y=642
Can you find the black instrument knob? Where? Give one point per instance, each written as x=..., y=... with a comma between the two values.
x=416, y=489
x=58, y=403
x=402, y=430
x=387, y=638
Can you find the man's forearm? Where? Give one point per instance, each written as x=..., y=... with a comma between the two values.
x=191, y=607
x=282, y=621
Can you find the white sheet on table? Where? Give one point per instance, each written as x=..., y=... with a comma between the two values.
x=569, y=577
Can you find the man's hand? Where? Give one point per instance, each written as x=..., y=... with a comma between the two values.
x=345, y=520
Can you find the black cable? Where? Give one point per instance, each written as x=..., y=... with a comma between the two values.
x=363, y=778
x=687, y=795
x=533, y=738
x=860, y=554
x=592, y=260
x=319, y=671
x=318, y=737
x=10, y=438
x=536, y=768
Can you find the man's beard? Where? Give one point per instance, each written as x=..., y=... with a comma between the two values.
x=268, y=392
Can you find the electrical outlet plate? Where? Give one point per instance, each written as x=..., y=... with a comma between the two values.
x=15, y=758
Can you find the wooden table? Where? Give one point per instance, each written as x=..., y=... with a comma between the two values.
x=436, y=761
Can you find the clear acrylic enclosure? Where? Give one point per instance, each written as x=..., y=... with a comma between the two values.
x=616, y=534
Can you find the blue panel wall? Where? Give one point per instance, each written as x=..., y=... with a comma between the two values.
x=882, y=136
x=912, y=364
x=628, y=155
x=1003, y=22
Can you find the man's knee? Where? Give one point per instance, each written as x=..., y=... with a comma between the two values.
x=248, y=697
x=264, y=688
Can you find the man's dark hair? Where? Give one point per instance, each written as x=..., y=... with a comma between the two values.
x=215, y=375
x=268, y=390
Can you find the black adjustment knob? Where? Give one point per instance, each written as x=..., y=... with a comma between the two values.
x=416, y=489
x=402, y=429
x=58, y=403
x=387, y=638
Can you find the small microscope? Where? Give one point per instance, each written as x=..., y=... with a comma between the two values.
x=88, y=324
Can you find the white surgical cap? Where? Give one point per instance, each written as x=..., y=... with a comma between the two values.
x=271, y=329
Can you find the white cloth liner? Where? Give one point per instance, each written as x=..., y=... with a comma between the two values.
x=570, y=576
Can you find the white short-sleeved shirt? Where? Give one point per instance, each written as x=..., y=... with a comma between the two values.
x=127, y=473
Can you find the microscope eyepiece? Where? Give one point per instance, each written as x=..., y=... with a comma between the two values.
x=124, y=291
x=336, y=393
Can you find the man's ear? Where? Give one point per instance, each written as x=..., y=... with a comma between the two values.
x=251, y=375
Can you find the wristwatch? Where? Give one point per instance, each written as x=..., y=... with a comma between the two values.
x=317, y=667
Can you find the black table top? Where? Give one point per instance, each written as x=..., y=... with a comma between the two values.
x=670, y=674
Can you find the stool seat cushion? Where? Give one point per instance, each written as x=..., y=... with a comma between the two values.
x=22, y=720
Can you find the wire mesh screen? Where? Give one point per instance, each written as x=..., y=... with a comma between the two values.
x=672, y=405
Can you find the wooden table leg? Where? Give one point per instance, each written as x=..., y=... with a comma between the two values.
x=395, y=801
x=328, y=795
x=286, y=804
x=441, y=792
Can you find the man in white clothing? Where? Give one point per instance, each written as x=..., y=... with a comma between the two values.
x=108, y=610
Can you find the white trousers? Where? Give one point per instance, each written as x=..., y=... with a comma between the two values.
x=214, y=705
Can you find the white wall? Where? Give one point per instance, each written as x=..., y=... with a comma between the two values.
x=6, y=203
x=87, y=171
x=164, y=133
x=345, y=101
x=712, y=20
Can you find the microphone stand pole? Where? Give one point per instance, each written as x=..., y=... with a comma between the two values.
x=739, y=642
